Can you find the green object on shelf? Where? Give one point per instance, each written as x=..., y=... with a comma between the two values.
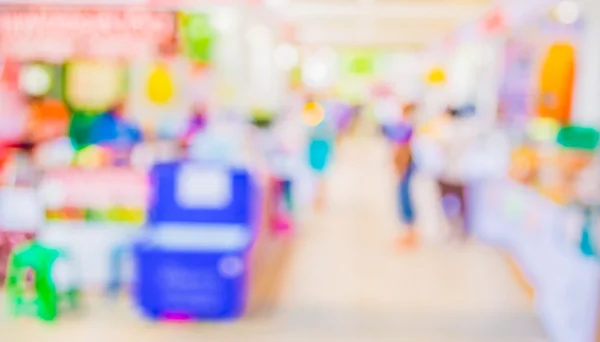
x=580, y=138
x=36, y=284
x=198, y=36
x=359, y=63
x=262, y=119
x=80, y=129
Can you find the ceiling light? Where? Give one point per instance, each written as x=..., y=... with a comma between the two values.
x=224, y=19
x=258, y=33
x=35, y=80
x=275, y=3
x=286, y=56
x=567, y=12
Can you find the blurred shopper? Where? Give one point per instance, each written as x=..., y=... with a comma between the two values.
x=401, y=136
x=320, y=152
x=454, y=143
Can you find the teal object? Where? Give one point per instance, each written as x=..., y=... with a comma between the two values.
x=319, y=154
x=586, y=244
x=320, y=148
x=287, y=195
x=580, y=138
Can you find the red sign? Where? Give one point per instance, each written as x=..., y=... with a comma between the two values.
x=57, y=35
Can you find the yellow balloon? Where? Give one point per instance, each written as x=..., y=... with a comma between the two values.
x=160, y=86
x=436, y=75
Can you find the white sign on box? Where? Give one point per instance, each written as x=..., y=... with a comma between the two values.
x=201, y=187
x=20, y=210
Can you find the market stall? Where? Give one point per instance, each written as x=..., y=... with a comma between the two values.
x=100, y=97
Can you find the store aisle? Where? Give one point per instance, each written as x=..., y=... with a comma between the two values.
x=347, y=282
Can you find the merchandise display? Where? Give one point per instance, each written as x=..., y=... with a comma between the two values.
x=542, y=212
x=189, y=160
x=91, y=120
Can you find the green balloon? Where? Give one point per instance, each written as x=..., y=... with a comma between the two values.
x=198, y=36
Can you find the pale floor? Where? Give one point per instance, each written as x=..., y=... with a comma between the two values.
x=347, y=282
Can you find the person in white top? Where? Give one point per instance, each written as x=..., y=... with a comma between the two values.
x=454, y=142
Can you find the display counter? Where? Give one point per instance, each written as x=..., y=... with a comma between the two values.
x=543, y=239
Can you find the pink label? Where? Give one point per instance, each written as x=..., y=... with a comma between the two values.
x=91, y=188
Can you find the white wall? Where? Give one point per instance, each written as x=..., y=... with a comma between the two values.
x=586, y=106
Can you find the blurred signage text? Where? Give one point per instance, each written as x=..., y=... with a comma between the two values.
x=59, y=35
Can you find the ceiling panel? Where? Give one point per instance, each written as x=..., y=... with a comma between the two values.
x=378, y=22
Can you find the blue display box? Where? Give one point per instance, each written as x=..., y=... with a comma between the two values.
x=197, y=193
x=199, y=274
x=192, y=263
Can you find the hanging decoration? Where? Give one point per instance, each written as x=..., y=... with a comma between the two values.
x=360, y=63
x=160, y=87
x=313, y=113
x=436, y=76
x=556, y=82
x=35, y=79
x=80, y=130
x=92, y=156
x=198, y=36
x=94, y=86
x=49, y=119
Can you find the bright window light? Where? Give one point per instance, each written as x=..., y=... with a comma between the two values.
x=286, y=56
x=35, y=80
x=567, y=12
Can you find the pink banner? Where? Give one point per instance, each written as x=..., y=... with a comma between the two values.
x=57, y=35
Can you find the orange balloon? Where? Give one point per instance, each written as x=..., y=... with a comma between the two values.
x=524, y=164
x=49, y=119
x=313, y=113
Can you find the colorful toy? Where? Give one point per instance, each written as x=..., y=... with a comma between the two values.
x=9, y=240
x=40, y=281
x=198, y=36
